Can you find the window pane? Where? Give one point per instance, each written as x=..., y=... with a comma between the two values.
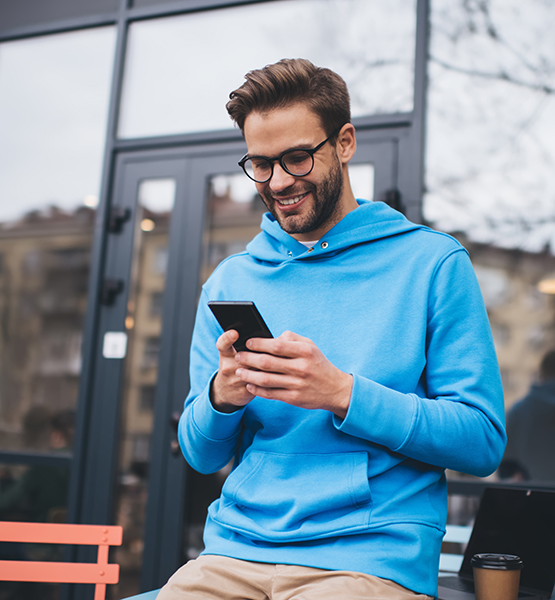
x=177, y=79
x=54, y=94
x=490, y=165
x=491, y=127
x=25, y=13
x=53, y=105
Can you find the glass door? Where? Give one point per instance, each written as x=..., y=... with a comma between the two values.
x=135, y=341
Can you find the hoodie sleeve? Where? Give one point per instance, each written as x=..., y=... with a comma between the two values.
x=459, y=424
x=208, y=438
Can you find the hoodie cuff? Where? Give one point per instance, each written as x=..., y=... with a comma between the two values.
x=378, y=414
x=212, y=423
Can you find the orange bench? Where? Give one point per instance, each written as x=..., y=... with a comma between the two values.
x=99, y=573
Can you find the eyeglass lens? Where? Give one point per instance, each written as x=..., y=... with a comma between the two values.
x=295, y=162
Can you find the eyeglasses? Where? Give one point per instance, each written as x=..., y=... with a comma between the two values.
x=297, y=162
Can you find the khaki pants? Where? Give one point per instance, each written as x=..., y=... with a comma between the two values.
x=221, y=578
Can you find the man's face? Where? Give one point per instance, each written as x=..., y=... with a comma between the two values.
x=305, y=207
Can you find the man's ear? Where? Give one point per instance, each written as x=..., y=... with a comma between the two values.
x=346, y=143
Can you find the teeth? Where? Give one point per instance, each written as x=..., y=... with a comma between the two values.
x=291, y=200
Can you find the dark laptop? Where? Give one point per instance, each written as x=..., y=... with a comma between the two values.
x=511, y=521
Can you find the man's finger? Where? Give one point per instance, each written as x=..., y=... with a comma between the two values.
x=265, y=379
x=286, y=345
x=226, y=340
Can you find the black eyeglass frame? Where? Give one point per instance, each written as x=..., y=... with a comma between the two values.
x=271, y=161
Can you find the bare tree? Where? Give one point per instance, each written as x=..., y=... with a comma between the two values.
x=491, y=152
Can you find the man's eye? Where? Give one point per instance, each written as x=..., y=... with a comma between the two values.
x=260, y=163
x=297, y=157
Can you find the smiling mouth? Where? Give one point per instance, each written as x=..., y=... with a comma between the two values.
x=291, y=201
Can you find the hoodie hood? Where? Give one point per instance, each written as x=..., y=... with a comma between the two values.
x=370, y=221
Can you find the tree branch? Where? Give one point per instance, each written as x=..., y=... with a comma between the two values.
x=501, y=76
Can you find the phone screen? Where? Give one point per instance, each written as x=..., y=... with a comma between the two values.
x=243, y=316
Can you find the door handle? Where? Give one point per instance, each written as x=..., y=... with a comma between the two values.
x=118, y=216
x=110, y=289
x=174, y=443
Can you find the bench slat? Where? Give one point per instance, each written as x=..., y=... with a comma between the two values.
x=58, y=572
x=60, y=533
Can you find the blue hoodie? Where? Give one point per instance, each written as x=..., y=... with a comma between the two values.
x=396, y=305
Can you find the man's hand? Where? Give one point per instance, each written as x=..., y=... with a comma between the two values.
x=291, y=369
x=229, y=393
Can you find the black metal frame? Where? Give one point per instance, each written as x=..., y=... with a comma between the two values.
x=44, y=459
x=460, y=487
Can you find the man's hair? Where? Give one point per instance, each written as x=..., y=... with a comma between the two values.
x=291, y=81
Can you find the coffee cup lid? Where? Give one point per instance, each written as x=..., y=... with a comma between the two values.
x=503, y=562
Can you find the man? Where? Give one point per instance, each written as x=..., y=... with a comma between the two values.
x=382, y=373
x=531, y=428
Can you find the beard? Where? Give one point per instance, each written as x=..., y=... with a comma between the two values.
x=325, y=205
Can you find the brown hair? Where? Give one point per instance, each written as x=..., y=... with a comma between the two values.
x=290, y=81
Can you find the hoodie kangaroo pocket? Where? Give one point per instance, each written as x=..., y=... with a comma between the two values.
x=294, y=497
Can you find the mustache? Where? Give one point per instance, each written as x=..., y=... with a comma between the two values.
x=290, y=191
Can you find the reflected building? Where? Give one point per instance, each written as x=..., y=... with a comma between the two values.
x=233, y=221
x=522, y=317
x=44, y=272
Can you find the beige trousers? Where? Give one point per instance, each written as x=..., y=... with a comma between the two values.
x=221, y=578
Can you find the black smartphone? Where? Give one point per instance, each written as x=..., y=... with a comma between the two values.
x=243, y=316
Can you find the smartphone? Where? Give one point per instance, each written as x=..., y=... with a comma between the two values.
x=243, y=316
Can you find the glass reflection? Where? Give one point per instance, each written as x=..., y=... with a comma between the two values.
x=38, y=492
x=234, y=213
x=362, y=180
x=54, y=94
x=531, y=429
x=491, y=142
x=43, y=291
x=490, y=164
x=178, y=80
x=155, y=201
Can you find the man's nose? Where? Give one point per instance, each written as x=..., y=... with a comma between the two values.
x=281, y=179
